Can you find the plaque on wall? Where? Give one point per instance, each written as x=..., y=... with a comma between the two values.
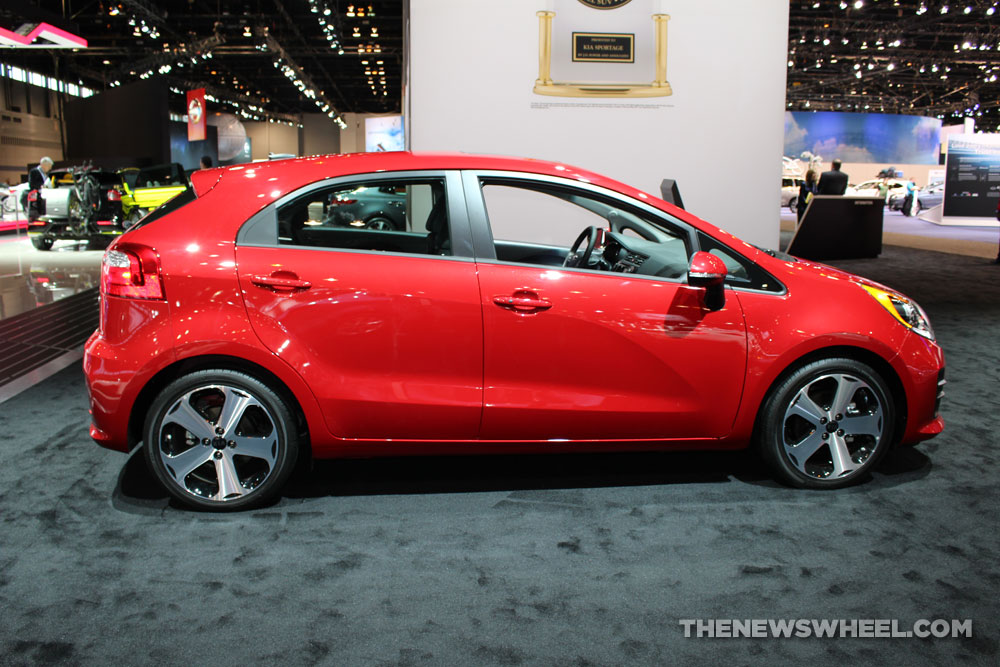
x=602, y=48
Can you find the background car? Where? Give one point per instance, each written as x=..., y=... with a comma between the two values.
x=524, y=306
x=871, y=188
x=150, y=187
x=82, y=203
x=370, y=207
x=929, y=196
x=790, y=192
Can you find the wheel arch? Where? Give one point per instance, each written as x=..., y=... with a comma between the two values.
x=878, y=363
x=181, y=367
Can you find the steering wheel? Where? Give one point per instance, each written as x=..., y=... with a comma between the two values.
x=590, y=235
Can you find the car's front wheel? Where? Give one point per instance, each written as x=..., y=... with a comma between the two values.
x=220, y=440
x=827, y=424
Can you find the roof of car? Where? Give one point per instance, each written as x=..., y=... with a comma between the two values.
x=316, y=167
x=287, y=175
x=248, y=188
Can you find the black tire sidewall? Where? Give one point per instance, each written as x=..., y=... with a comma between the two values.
x=288, y=441
x=770, y=431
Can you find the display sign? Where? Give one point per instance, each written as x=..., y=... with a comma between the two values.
x=384, y=133
x=596, y=47
x=196, y=114
x=602, y=48
x=41, y=36
x=972, y=176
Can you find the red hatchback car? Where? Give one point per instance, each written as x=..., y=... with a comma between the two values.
x=526, y=307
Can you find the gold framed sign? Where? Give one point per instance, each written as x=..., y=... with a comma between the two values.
x=611, y=57
x=600, y=47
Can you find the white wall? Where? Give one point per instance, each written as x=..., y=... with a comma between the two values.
x=473, y=64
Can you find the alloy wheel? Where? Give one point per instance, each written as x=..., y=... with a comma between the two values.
x=218, y=442
x=833, y=425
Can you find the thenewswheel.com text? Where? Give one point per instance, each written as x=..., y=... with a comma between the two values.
x=863, y=628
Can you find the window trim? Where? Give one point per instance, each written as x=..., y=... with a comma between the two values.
x=256, y=231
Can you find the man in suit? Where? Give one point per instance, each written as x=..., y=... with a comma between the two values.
x=38, y=177
x=833, y=182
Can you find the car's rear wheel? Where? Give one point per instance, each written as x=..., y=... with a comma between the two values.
x=42, y=242
x=827, y=424
x=221, y=440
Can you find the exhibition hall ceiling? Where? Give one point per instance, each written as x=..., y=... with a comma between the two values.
x=925, y=57
x=279, y=58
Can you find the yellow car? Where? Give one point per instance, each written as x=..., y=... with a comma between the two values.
x=147, y=188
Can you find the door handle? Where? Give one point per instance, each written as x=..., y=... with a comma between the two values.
x=281, y=283
x=522, y=303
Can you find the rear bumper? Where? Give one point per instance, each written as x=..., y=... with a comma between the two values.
x=118, y=367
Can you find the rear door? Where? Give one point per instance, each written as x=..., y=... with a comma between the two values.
x=385, y=325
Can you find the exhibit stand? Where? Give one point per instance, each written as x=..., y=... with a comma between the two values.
x=836, y=227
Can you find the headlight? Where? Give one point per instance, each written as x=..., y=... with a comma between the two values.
x=907, y=312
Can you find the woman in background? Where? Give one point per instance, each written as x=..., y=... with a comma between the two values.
x=806, y=190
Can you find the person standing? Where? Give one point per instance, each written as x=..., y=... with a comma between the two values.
x=206, y=162
x=806, y=190
x=911, y=205
x=38, y=178
x=833, y=182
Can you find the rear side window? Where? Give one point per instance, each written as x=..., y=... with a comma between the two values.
x=181, y=200
x=406, y=215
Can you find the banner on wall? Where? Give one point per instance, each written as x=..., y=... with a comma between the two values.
x=863, y=137
x=196, y=114
x=972, y=176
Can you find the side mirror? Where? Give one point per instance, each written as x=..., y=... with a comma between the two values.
x=708, y=271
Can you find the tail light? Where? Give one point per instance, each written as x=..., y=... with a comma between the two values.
x=343, y=202
x=114, y=195
x=131, y=271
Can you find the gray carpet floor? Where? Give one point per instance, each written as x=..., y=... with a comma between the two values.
x=586, y=560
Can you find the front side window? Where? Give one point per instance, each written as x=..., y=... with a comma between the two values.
x=407, y=216
x=541, y=223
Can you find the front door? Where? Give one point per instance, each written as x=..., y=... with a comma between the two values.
x=583, y=354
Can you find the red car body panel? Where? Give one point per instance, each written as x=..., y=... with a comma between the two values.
x=389, y=357
x=390, y=354
x=600, y=364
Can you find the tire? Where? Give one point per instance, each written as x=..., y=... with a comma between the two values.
x=381, y=224
x=793, y=204
x=803, y=441
x=220, y=467
x=42, y=242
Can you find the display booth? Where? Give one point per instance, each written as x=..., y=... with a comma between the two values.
x=836, y=227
